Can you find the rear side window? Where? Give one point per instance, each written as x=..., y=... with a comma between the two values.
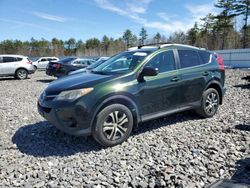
x=164, y=62
x=19, y=59
x=205, y=56
x=8, y=59
x=188, y=58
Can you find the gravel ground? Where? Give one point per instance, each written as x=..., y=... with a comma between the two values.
x=181, y=150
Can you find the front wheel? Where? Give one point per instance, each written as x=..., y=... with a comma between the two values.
x=113, y=125
x=209, y=103
x=21, y=74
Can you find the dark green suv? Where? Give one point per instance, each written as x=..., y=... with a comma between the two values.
x=137, y=85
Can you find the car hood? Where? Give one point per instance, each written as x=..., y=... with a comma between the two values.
x=75, y=81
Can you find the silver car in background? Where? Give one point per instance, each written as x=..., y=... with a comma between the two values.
x=16, y=65
x=42, y=62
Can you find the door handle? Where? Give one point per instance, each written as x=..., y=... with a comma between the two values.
x=205, y=73
x=175, y=79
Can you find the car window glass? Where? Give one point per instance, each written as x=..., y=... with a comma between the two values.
x=77, y=62
x=19, y=59
x=43, y=59
x=122, y=63
x=188, y=58
x=8, y=59
x=163, y=62
x=83, y=62
x=205, y=56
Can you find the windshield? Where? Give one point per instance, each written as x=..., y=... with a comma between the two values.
x=96, y=64
x=123, y=62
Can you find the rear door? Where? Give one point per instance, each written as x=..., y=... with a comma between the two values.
x=194, y=76
x=9, y=65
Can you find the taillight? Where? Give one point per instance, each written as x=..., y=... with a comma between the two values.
x=29, y=62
x=57, y=66
x=220, y=62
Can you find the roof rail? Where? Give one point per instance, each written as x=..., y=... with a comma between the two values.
x=162, y=45
x=154, y=44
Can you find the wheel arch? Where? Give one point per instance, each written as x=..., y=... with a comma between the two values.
x=19, y=68
x=121, y=98
x=216, y=85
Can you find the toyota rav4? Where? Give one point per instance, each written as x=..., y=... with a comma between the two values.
x=134, y=86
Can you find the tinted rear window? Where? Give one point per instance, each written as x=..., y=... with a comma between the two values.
x=19, y=59
x=205, y=56
x=189, y=58
x=8, y=59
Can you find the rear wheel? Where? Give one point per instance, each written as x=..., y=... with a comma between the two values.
x=210, y=103
x=21, y=74
x=113, y=125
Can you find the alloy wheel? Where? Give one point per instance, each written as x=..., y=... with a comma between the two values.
x=211, y=104
x=115, y=125
x=22, y=74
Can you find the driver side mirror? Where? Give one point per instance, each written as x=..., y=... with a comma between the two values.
x=147, y=71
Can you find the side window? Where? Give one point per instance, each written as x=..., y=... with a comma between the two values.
x=163, y=62
x=76, y=62
x=19, y=59
x=1, y=59
x=43, y=59
x=205, y=56
x=188, y=58
x=8, y=59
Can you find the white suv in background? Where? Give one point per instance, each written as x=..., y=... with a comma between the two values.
x=16, y=65
x=42, y=62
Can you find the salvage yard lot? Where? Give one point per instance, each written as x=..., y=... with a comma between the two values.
x=180, y=150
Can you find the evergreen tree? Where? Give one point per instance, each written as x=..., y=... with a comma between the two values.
x=128, y=37
x=242, y=7
x=157, y=38
x=225, y=18
x=143, y=36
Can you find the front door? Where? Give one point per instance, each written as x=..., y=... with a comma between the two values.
x=161, y=92
x=42, y=64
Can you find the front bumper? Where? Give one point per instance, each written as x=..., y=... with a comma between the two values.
x=74, y=120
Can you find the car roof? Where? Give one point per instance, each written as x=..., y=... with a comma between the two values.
x=49, y=57
x=79, y=58
x=12, y=55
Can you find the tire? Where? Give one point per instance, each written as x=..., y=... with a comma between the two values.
x=209, y=103
x=113, y=125
x=21, y=74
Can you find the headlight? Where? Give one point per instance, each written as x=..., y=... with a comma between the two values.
x=73, y=94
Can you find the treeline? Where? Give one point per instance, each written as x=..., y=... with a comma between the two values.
x=215, y=32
